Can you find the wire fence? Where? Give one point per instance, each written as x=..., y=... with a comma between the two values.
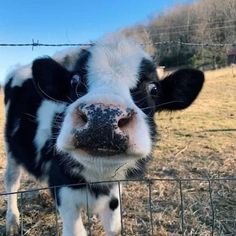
x=37, y=43
x=207, y=52
x=183, y=28
x=188, y=207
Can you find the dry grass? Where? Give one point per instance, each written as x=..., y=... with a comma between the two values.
x=195, y=143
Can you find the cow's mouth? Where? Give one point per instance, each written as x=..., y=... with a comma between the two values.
x=102, y=151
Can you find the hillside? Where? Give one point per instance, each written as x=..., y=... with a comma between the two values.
x=199, y=34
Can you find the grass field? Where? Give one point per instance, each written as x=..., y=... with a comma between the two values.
x=199, y=142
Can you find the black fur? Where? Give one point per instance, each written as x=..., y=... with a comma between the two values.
x=81, y=88
x=51, y=79
x=23, y=112
x=114, y=203
x=180, y=89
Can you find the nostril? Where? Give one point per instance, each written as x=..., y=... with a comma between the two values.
x=123, y=122
x=83, y=117
x=80, y=119
x=126, y=120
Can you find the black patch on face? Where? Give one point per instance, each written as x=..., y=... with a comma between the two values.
x=81, y=88
x=82, y=63
x=57, y=124
x=114, y=203
x=147, y=71
x=141, y=95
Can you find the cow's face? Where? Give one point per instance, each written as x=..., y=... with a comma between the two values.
x=112, y=96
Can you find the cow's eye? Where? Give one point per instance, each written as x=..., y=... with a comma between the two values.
x=152, y=89
x=75, y=80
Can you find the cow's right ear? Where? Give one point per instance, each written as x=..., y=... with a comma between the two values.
x=51, y=79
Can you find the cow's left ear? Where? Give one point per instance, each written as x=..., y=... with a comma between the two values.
x=179, y=89
x=51, y=79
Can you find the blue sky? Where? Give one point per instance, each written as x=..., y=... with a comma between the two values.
x=66, y=21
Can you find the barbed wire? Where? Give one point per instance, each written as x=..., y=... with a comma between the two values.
x=191, y=44
x=38, y=44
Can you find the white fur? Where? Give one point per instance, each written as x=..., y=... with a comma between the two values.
x=111, y=219
x=71, y=55
x=45, y=115
x=71, y=202
x=104, y=169
x=115, y=60
x=70, y=206
x=19, y=75
x=12, y=184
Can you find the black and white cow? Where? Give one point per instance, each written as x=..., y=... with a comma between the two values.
x=87, y=116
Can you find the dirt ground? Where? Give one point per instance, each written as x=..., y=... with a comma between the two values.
x=198, y=143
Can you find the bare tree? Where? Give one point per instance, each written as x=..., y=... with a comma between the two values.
x=204, y=21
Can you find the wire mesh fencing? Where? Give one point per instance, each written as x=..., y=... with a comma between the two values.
x=148, y=207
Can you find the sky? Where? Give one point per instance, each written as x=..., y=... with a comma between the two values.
x=66, y=21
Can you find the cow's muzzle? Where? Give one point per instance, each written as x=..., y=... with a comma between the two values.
x=102, y=130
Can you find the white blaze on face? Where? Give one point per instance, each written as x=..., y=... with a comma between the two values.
x=113, y=70
x=115, y=60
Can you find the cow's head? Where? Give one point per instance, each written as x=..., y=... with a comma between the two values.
x=112, y=95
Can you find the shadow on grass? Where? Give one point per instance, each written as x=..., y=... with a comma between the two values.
x=218, y=130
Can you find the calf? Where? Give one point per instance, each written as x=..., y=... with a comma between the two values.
x=87, y=116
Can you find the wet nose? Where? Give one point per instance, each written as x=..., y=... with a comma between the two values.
x=102, y=128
